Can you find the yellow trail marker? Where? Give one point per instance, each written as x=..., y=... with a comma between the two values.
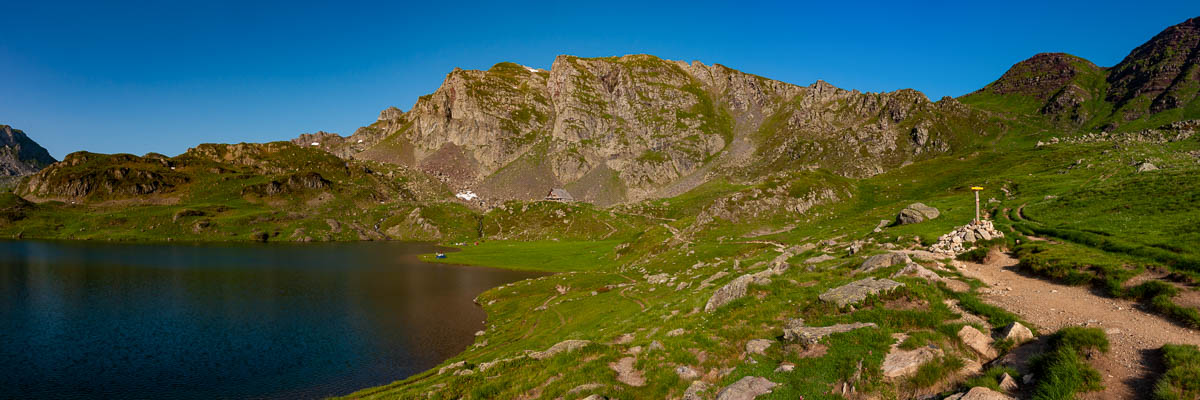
x=976, y=189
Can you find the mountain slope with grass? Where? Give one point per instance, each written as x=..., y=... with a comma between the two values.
x=1156, y=84
x=738, y=237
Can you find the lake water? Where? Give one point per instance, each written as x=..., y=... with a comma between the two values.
x=93, y=320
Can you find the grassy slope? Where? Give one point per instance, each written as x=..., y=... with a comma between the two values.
x=612, y=295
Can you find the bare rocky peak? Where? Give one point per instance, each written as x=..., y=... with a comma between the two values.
x=616, y=129
x=20, y=155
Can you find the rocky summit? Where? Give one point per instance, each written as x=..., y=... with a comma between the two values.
x=20, y=155
x=619, y=129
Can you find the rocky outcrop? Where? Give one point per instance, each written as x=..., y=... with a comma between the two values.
x=20, y=155
x=797, y=331
x=734, y=290
x=89, y=175
x=747, y=388
x=916, y=212
x=565, y=346
x=857, y=291
x=882, y=261
x=899, y=362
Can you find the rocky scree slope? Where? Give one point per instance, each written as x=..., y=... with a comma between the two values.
x=621, y=129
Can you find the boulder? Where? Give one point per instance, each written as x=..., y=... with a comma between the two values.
x=916, y=212
x=982, y=393
x=687, y=373
x=758, y=346
x=1017, y=333
x=795, y=330
x=882, y=260
x=1146, y=167
x=854, y=292
x=734, y=290
x=977, y=341
x=695, y=390
x=899, y=362
x=565, y=346
x=1007, y=383
x=746, y=388
x=818, y=259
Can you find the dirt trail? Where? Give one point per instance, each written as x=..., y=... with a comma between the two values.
x=1129, y=370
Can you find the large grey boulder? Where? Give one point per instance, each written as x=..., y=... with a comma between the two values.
x=857, y=291
x=796, y=330
x=734, y=290
x=916, y=212
x=746, y=388
x=882, y=260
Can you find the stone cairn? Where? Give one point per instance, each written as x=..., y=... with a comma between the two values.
x=954, y=243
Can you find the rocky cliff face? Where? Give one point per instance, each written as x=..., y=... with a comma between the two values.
x=634, y=127
x=20, y=155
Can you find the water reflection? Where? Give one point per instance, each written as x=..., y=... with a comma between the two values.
x=91, y=320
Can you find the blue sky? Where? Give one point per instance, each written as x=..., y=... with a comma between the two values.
x=138, y=77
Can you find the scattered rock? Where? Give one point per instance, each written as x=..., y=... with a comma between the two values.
x=626, y=373
x=1146, y=167
x=695, y=390
x=818, y=259
x=586, y=387
x=881, y=261
x=916, y=212
x=687, y=373
x=1008, y=384
x=565, y=346
x=676, y=332
x=736, y=289
x=785, y=367
x=658, y=279
x=854, y=247
x=746, y=388
x=795, y=330
x=1017, y=333
x=758, y=346
x=857, y=291
x=982, y=393
x=452, y=366
x=899, y=362
x=977, y=341
x=624, y=339
x=655, y=346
